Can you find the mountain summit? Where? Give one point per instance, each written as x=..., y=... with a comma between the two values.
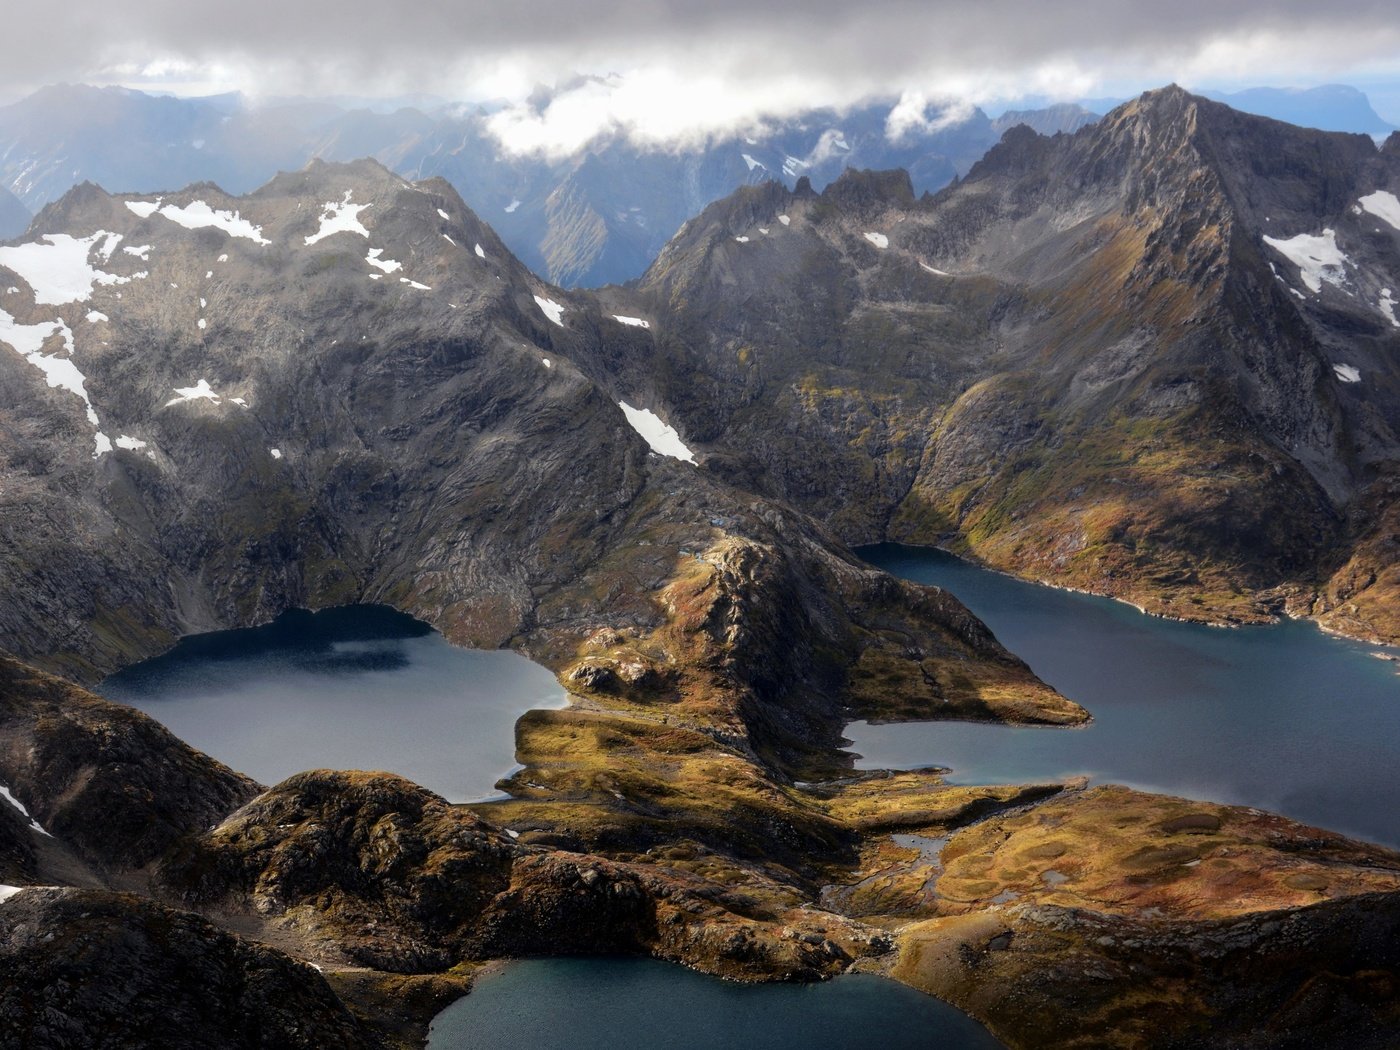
x=1155, y=358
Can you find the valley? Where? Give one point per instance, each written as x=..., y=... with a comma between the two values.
x=1102, y=360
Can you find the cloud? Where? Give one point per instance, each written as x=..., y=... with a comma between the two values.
x=669, y=69
x=911, y=114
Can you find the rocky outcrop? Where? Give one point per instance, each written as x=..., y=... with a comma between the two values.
x=90, y=968
x=370, y=869
x=375, y=868
x=107, y=780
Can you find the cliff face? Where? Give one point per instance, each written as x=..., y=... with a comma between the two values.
x=1154, y=358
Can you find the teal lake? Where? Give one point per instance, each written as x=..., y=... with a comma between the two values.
x=640, y=1004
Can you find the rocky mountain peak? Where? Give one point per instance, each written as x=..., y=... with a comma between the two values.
x=860, y=190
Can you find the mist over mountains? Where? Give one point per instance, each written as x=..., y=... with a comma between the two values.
x=599, y=215
x=595, y=216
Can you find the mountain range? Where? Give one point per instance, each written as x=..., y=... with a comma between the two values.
x=594, y=216
x=1154, y=358
x=1331, y=107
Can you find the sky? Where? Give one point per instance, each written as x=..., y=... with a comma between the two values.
x=668, y=70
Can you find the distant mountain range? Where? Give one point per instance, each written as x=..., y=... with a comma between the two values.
x=597, y=216
x=1332, y=107
x=594, y=217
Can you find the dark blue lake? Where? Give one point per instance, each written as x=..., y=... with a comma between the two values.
x=1282, y=717
x=356, y=687
x=639, y=1004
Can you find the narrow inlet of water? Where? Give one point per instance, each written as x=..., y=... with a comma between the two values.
x=1282, y=717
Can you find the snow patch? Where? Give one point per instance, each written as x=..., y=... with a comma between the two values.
x=752, y=163
x=93, y=316
x=444, y=215
x=1347, y=373
x=1387, y=307
x=512, y=206
x=930, y=269
x=1383, y=206
x=28, y=340
x=275, y=453
x=1317, y=257
x=130, y=443
x=742, y=240
x=144, y=209
x=877, y=239
x=340, y=217
x=660, y=436
x=414, y=284
x=546, y=362
x=554, y=311
x=57, y=267
x=387, y=265
x=785, y=220
x=635, y=322
x=763, y=230
x=479, y=253
x=198, y=216
x=201, y=324
x=202, y=389
x=5, y=793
